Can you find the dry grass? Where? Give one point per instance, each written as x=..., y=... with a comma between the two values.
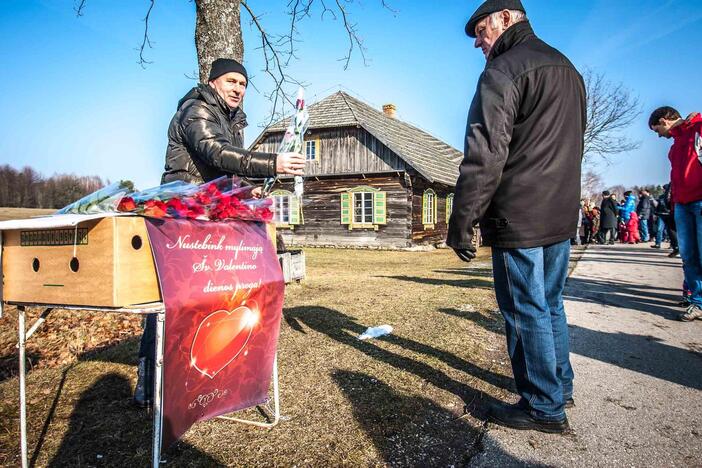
x=19, y=213
x=398, y=400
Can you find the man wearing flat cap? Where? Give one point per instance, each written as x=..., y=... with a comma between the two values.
x=522, y=157
x=205, y=142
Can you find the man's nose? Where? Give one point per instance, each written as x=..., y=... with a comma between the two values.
x=478, y=43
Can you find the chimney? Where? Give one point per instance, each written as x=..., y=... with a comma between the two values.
x=389, y=110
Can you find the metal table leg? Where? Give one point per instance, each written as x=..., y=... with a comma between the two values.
x=276, y=404
x=158, y=389
x=22, y=389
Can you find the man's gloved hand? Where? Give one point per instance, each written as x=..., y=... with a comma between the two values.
x=465, y=254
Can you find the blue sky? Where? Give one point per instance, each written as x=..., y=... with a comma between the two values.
x=75, y=100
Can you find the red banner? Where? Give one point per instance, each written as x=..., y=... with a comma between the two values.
x=223, y=290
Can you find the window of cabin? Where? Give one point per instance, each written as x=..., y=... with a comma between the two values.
x=429, y=206
x=449, y=207
x=287, y=209
x=281, y=209
x=311, y=150
x=363, y=208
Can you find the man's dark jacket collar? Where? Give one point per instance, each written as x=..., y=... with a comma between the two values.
x=515, y=35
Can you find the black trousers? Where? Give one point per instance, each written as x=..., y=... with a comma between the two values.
x=603, y=235
x=669, y=222
x=147, y=347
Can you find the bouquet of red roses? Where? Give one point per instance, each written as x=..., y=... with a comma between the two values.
x=219, y=200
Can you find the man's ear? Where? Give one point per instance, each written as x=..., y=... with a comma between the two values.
x=506, y=18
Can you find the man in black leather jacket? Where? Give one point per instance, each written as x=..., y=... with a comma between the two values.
x=205, y=141
x=205, y=137
x=520, y=179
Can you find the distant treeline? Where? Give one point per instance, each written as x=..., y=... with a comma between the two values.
x=26, y=188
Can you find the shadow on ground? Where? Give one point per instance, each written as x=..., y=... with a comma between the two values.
x=106, y=430
x=640, y=353
x=484, y=272
x=344, y=329
x=459, y=283
x=632, y=261
x=413, y=431
x=623, y=294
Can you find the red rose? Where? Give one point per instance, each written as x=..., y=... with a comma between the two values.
x=126, y=204
x=155, y=208
x=176, y=208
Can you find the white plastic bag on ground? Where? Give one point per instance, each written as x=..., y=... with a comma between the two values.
x=375, y=332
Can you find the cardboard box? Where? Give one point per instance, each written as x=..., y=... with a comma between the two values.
x=105, y=262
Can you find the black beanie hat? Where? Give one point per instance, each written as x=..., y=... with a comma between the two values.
x=489, y=7
x=225, y=65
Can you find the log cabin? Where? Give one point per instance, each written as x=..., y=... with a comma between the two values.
x=371, y=180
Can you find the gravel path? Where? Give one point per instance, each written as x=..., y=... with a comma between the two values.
x=638, y=386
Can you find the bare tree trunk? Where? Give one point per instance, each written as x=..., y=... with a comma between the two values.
x=217, y=33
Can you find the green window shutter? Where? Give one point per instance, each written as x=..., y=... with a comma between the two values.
x=379, y=208
x=449, y=207
x=346, y=208
x=436, y=209
x=425, y=211
x=295, y=207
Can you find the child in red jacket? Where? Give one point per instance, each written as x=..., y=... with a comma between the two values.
x=623, y=232
x=632, y=229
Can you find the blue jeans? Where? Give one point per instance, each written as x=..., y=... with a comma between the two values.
x=660, y=230
x=688, y=221
x=529, y=288
x=643, y=230
x=147, y=346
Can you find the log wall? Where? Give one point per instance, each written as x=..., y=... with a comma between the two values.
x=420, y=233
x=321, y=212
x=343, y=150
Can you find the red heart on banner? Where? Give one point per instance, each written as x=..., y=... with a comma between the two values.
x=220, y=338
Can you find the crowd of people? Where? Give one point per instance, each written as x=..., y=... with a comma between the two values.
x=636, y=218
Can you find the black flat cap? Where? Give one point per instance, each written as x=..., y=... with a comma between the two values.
x=489, y=7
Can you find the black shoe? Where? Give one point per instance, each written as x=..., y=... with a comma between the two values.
x=674, y=253
x=522, y=403
x=143, y=392
x=655, y=246
x=517, y=418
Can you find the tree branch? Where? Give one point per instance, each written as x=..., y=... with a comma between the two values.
x=146, y=41
x=78, y=7
x=611, y=109
x=274, y=67
x=353, y=36
x=279, y=50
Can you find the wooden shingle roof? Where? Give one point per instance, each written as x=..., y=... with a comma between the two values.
x=429, y=156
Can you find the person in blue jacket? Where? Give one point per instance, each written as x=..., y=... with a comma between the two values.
x=629, y=206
